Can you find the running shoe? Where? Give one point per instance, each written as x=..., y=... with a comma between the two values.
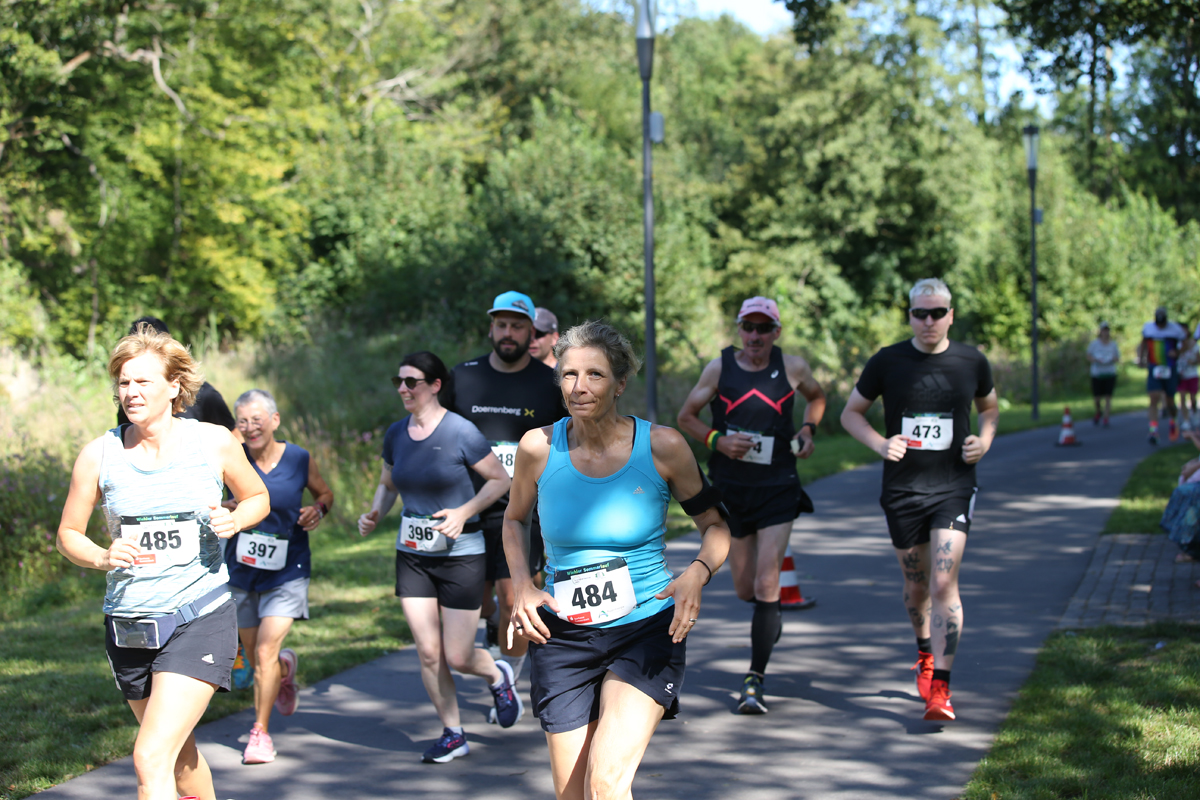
x=1153, y=434
x=289, y=696
x=1096, y=420
x=924, y=668
x=751, y=701
x=243, y=673
x=938, y=705
x=260, y=750
x=449, y=747
x=509, y=707
x=1172, y=431
x=1106, y=422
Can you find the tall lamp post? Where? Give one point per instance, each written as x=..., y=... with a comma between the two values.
x=1030, y=134
x=644, y=29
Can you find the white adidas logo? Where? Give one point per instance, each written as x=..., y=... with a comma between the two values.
x=638, y=490
x=208, y=659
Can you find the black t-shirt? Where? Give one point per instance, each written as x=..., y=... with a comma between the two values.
x=209, y=407
x=503, y=405
x=756, y=402
x=922, y=392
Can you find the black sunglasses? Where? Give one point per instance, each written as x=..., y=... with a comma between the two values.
x=925, y=313
x=539, y=334
x=410, y=382
x=758, y=327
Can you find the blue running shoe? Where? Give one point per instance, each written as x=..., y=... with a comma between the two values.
x=509, y=707
x=449, y=747
x=243, y=673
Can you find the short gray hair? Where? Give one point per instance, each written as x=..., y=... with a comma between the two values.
x=605, y=338
x=929, y=287
x=256, y=396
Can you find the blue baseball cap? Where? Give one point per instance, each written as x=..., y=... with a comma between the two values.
x=514, y=302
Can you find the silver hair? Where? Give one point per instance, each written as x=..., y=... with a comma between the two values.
x=257, y=396
x=929, y=286
x=605, y=338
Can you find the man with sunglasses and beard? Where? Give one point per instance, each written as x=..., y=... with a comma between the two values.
x=506, y=393
x=928, y=384
x=751, y=393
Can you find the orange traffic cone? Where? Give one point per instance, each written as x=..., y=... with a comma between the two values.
x=1066, y=436
x=790, y=596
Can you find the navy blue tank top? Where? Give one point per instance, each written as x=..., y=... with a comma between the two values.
x=285, y=483
x=756, y=402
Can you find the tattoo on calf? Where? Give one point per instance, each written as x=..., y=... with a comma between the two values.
x=951, y=637
x=917, y=617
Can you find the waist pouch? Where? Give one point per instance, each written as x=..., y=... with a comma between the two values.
x=151, y=633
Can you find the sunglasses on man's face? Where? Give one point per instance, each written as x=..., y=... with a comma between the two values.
x=410, y=382
x=539, y=334
x=926, y=313
x=758, y=327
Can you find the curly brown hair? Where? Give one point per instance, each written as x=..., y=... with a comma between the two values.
x=177, y=360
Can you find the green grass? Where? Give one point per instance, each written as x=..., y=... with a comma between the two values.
x=1146, y=492
x=61, y=713
x=1109, y=713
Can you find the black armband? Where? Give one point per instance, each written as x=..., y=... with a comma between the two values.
x=709, y=497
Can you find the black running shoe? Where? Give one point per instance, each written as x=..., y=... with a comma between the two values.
x=751, y=701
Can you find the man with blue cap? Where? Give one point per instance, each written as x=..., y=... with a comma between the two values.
x=506, y=393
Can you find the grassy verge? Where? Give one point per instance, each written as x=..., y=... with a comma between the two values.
x=1108, y=713
x=1146, y=492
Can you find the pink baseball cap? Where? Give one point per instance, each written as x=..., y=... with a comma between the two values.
x=759, y=305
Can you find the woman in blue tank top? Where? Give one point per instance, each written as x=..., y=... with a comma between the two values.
x=609, y=629
x=170, y=627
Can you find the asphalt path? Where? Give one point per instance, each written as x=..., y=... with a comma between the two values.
x=845, y=720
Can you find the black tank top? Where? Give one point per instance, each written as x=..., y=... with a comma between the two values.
x=758, y=402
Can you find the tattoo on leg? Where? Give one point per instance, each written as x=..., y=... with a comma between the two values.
x=945, y=547
x=951, y=637
x=918, y=618
x=945, y=565
x=954, y=609
x=937, y=620
x=916, y=576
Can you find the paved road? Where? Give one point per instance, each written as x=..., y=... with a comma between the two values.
x=845, y=718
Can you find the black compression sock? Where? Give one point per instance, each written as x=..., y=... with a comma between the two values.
x=925, y=645
x=942, y=675
x=764, y=632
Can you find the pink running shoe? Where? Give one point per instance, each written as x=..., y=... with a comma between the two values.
x=260, y=750
x=288, y=697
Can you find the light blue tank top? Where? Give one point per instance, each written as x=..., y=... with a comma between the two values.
x=589, y=520
x=188, y=484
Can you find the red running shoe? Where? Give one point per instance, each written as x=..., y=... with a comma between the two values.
x=924, y=668
x=1172, y=431
x=938, y=705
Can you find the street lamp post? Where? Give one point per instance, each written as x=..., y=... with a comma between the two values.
x=644, y=29
x=1030, y=134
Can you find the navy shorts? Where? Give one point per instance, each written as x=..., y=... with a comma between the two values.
x=203, y=649
x=1167, y=386
x=911, y=517
x=754, y=507
x=566, y=672
x=456, y=581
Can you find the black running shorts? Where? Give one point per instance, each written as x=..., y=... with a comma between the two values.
x=203, y=649
x=754, y=507
x=497, y=563
x=566, y=672
x=910, y=517
x=456, y=581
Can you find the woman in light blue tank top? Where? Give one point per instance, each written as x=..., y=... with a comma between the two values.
x=170, y=629
x=608, y=632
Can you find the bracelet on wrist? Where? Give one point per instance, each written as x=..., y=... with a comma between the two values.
x=322, y=509
x=811, y=425
x=706, y=566
x=710, y=441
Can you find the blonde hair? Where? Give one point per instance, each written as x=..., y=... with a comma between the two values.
x=605, y=338
x=929, y=286
x=177, y=361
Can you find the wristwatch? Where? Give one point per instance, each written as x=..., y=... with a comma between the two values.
x=812, y=425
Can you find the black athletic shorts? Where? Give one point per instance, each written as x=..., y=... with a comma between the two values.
x=203, y=649
x=1103, y=385
x=910, y=517
x=456, y=581
x=565, y=673
x=493, y=540
x=754, y=507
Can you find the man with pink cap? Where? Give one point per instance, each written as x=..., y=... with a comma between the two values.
x=751, y=393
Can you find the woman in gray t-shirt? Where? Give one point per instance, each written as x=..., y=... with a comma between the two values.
x=1103, y=355
x=428, y=458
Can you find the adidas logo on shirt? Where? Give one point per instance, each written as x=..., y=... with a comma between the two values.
x=638, y=490
x=208, y=659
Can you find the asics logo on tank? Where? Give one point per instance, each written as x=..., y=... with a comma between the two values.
x=934, y=388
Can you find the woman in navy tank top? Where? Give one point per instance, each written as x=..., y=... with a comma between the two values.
x=609, y=630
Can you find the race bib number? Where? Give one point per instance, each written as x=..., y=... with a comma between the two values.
x=262, y=550
x=166, y=540
x=507, y=453
x=596, y=593
x=1162, y=372
x=417, y=534
x=761, y=448
x=928, y=431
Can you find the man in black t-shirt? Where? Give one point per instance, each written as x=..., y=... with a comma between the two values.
x=506, y=393
x=928, y=384
x=752, y=395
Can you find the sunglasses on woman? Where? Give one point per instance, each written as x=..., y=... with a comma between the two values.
x=926, y=313
x=758, y=327
x=410, y=382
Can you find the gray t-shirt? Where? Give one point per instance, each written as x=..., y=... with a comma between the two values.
x=1106, y=356
x=434, y=474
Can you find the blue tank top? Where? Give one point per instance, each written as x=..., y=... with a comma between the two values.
x=589, y=520
x=188, y=485
x=285, y=483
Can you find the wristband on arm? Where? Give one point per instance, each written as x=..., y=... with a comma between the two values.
x=710, y=441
